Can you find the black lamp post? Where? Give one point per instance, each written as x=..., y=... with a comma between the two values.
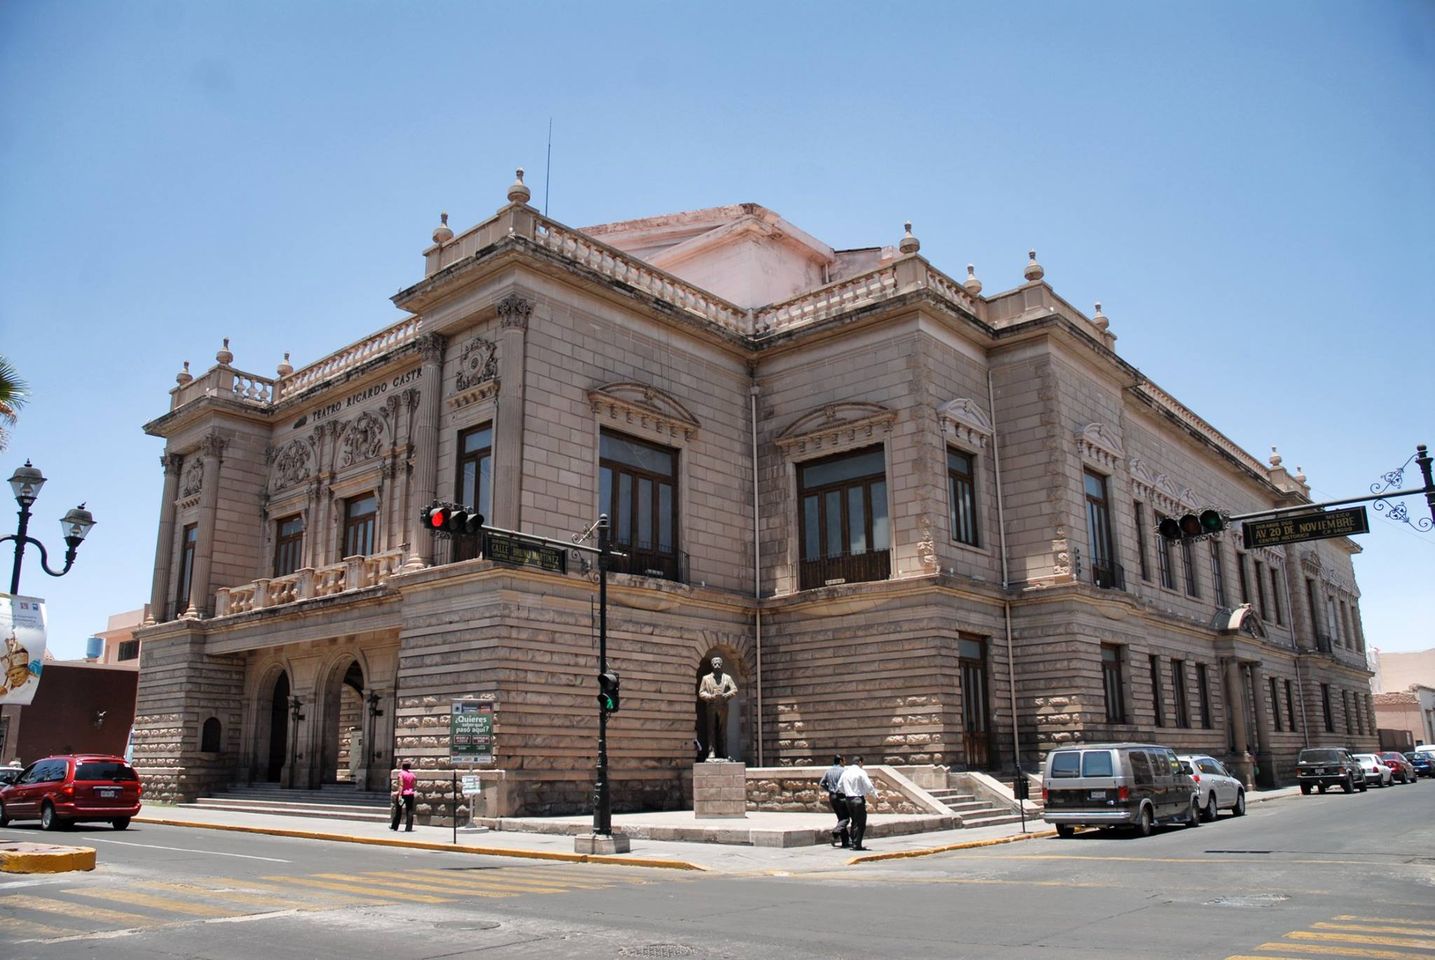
x=26, y=482
x=296, y=713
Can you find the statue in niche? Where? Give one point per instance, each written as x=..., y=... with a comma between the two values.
x=715, y=693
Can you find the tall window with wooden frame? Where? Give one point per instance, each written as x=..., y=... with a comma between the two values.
x=1139, y=514
x=1158, y=702
x=1325, y=708
x=1203, y=690
x=962, y=494
x=473, y=484
x=1164, y=563
x=1178, y=693
x=1243, y=576
x=1259, y=574
x=1113, y=683
x=846, y=533
x=288, y=545
x=976, y=706
x=1290, y=704
x=1105, y=572
x=1345, y=708
x=638, y=488
x=1188, y=563
x=1218, y=574
x=361, y=513
x=1276, y=611
x=1275, y=703
x=188, y=538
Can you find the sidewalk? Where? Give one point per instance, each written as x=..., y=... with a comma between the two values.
x=727, y=858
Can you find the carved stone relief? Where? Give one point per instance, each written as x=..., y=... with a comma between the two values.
x=193, y=478
x=291, y=464
x=363, y=440
x=477, y=363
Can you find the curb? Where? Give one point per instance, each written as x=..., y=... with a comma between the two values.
x=45, y=858
x=965, y=845
x=654, y=862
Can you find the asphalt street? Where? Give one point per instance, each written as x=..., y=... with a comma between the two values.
x=1318, y=877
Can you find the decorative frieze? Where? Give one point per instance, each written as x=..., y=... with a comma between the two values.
x=966, y=422
x=636, y=405
x=1100, y=446
x=835, y=427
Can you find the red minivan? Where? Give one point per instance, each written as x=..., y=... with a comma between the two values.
x=57, y=791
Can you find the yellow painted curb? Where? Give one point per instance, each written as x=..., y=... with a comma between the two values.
x=966, y=845
x=45, y=858
x=439, y=847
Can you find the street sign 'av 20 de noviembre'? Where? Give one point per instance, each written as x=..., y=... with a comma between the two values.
x=1296, y=528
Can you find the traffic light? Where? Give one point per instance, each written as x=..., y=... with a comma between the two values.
x=435, y=517
x=450, y=520
x=608, y=691
x=1192, y=526
x=464, y=522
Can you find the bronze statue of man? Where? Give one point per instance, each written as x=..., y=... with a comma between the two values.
x=715, y=692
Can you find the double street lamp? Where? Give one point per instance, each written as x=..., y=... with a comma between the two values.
x=26, y=482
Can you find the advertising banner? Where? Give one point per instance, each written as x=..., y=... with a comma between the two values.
x=471, y=731
x=22, y=630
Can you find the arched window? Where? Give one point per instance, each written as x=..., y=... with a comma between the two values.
x=209, y=736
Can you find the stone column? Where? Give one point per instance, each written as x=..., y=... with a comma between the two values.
x=1236, y=713
x=425, y=449
x=513, y=314
x=1261, y=744
x=164, y=546
x=210, y=450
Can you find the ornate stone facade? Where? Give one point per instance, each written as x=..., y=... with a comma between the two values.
x=916, y=522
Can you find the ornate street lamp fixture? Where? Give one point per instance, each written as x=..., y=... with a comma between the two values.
x=26, y=482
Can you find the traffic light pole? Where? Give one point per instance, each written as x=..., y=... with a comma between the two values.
x=602, y=798
x=1422, y=458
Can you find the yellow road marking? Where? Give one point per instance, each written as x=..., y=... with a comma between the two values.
x=1372, y=928
x=1243, y=956
x=1252, y=860
x=323, y=900
x=499, y=883
x=135, y=898
x=45, y=905
x=1357, y=938
x=384, y=893
x=1325, y=950
x=236, y=896
x=33, y=928
x=1406, y=920
x=535, y=873
x=385, y=881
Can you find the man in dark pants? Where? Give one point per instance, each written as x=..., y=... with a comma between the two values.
x=856, y=787
x=829, y=783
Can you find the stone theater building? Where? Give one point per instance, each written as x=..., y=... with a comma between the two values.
x=917, y=521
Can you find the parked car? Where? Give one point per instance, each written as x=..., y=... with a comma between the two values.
x=1422, y=762
x=61, y=790
x=1403, y=769
x=1376, y=772
x=1216, y=789
x=9, y=775
x=1117, y=784
x=1323, y=767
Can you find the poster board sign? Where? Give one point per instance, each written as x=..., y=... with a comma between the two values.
x=471, y=785
x=22, y=647
x=470, y=731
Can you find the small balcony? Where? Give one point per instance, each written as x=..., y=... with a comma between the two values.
x=642, y=562
x=352, y=573
x=1108, y=576
x=844, y=568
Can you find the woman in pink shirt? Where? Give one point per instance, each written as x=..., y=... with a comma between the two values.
x=404, y=798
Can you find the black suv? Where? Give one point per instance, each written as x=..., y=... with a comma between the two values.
x=1329, y=767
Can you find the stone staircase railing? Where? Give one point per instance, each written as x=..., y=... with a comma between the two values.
x=352, y=573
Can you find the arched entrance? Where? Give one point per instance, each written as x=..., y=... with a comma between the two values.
x=342, y=745
x=735, y=729
x=278, y=729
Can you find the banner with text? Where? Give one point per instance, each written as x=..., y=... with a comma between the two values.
x=22, y=625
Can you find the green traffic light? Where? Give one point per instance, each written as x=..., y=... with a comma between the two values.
x=1212, y=521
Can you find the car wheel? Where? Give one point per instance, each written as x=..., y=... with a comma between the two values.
x=120, y=823
x=4, y=820
x=1146, y=823
x=1211, y=810
x=1349, y=785
x=48, y=819
x=1364, y=785
x=1305, y=789
x=1322, y=788
x=1065, y=830
x=1193, y=814
x=1239, y=809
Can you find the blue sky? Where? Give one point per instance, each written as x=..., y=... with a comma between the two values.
x=1247, y=189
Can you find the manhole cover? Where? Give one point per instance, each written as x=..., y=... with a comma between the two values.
x=1257, y=900
x=659, y=951
x=467, y=924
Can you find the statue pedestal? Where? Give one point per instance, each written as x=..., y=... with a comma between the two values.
x=720, y=790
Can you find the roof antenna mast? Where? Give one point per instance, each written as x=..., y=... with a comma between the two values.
x=548, y=173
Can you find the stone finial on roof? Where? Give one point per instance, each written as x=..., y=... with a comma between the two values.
x=518, y=192
x=1275, y=460
x=224, y=357
x=1100, y=319
x=909, y=243
x=285, y=367
x=441, y=233
x=1033, y=271
x=972, y=285
x=1299, y=474
x=184, y=376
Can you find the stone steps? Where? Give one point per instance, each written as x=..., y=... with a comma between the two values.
x=333, y=802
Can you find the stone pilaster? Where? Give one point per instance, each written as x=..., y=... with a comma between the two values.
x=211, y=450
x=425, y=449
x=513, y=314
x=164, y=544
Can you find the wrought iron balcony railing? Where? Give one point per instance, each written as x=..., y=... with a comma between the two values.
x=845, y=568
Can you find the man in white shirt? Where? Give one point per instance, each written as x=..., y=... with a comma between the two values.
x=856, y=787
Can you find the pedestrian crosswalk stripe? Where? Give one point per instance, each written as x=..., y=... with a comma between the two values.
x=499, y=875
x=138, y=899
x=1405, y=920
x=478, y=885
x=235, y=896
x=45, y=905
x=33, y=928
x=1327, y=950
x=391, y=881
x=1403, y=929
x=1360, y=938
x=378, y=893
x=322, y=899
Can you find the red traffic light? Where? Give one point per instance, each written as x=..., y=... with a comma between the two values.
x=435, y=518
